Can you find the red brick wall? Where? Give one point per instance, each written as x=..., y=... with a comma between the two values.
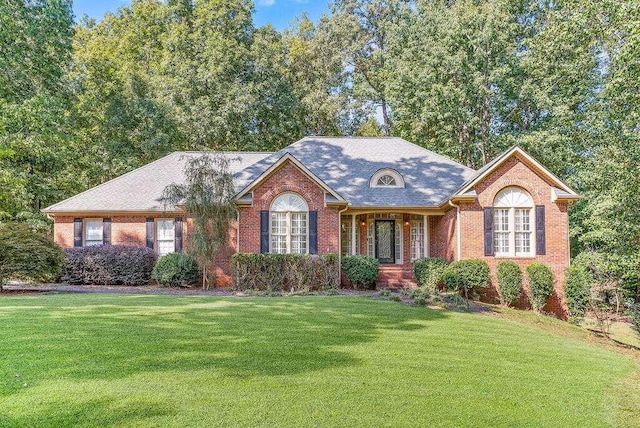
x=63, y=231
x=288, y=178
x=516, y=173
x=442, y=235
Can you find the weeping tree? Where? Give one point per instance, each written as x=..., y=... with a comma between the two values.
x=206, y=198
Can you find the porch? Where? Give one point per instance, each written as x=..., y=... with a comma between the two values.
x=394, y=238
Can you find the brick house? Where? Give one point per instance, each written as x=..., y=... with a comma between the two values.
x=384, y=197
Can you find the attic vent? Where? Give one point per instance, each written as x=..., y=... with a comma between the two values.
x=386, y=177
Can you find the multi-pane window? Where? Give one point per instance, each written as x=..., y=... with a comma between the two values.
x=289, y=224
x=93, y=232
x=512, y=220
x=386, y=180
x=166, y=236
x=346, y=235
x=417, y=237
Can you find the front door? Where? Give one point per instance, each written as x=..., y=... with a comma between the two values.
x=385, y=241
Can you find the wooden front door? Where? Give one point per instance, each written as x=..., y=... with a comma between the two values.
x=385, y=241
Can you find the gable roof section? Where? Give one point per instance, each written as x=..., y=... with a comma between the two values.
x=346, y=164
x=564, y=191
x=140, y=190
x=336, y=197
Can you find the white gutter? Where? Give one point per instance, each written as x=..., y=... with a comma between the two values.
x=458, y=245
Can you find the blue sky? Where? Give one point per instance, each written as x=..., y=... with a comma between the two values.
x=278, y=12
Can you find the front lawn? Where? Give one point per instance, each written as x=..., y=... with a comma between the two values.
x=132, y=360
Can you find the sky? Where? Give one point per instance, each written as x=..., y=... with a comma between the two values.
x=280, y=13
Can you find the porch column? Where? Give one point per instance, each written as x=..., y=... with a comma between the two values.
x=425, y=233
x=353, y=235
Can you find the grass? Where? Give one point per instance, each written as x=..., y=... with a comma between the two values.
x=131, y=360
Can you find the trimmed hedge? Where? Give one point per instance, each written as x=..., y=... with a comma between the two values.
x=509, y=281
x=467, y=275
x=361, y=271
x=429, y=271
x=108, y=264
x=176, y=269
x=540, y=284
x=577, y=288
x=285, y=272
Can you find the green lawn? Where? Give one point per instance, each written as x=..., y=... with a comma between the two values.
x=131, y=360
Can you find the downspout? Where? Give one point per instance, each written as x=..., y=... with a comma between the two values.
x=340, y=243
x=458, y=245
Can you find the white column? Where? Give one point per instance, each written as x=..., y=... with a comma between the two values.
x=353, y=235
x=427, y=238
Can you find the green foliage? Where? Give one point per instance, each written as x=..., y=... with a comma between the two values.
x=466, y=275
x=577, y=289
x=634, y=313
x=361, y=271
x=176, y=269
x=109, y=265
x=429, y=271
x=540, y=284
x=509, y=281
x=207, y=199
x=285, y=272
x=27, y=254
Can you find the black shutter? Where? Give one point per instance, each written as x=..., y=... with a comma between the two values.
x=178, y=231
x=541, y=248
x=150, y=239
x=77, y=232
x=106, y=231
x=264, y=231
x=488, y=231
x=313, y=232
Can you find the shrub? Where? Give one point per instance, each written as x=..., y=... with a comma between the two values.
x=466, y=275
x=176, y=269
x=577, y=288
x=634, y=313
x=429, y=271
x=28, y=254
x=277, y=272
x=109, y=264
x=540, y=284
x=361, y=271
x=509, y=281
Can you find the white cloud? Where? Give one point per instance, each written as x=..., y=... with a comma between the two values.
x=266, y=2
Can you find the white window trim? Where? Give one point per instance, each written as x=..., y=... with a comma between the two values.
x=288, y=225
x=511, y=226
x=84, y=230
x=373, y=182
x=156, y=243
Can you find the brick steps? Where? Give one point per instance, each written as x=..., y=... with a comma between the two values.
x=395, y=276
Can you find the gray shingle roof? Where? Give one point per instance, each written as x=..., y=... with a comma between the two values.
x=140, y=189
x=345, y=164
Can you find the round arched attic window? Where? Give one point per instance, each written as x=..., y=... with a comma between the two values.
x=386, y=177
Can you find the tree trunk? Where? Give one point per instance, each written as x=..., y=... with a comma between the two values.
x=386, y=127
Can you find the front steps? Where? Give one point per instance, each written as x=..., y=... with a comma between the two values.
x=395, y=276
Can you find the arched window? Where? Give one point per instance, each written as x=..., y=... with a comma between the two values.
x=386, y=177
x=513, y=223
x=289, y=229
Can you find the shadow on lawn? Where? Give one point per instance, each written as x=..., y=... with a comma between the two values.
x=111, y=337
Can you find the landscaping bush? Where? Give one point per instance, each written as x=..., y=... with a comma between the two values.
x=509, y=281
x=176, y=269
x=429, y=271
x=361, y=271
x=466, y=275
x=28, y=254
x=577, y=288
x=540, y=284
x=278, y=272
x=109, y=264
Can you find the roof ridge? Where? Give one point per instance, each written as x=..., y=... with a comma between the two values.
x=50, y=207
